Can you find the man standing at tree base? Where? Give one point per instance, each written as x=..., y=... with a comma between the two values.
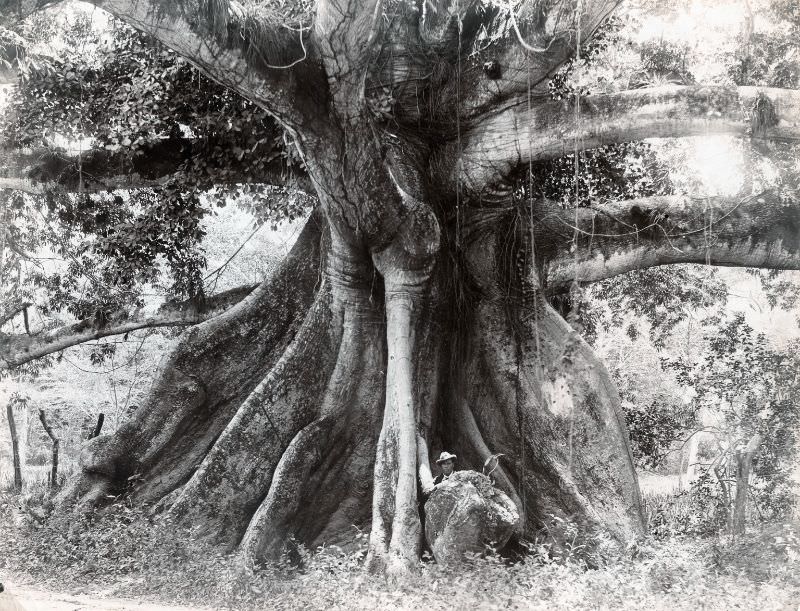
x=447, y=462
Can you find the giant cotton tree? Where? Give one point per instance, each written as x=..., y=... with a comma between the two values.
x=411, y=315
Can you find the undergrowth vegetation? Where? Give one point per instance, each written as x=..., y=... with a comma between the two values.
x=124, y=552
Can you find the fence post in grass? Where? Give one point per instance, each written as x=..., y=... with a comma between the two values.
x=53, y=477
x=14, y=447
x=99, y=427
x=744, y=461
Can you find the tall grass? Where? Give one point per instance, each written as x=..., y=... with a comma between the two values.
x=35, y=477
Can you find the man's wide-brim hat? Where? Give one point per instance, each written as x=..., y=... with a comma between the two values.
x=445, y=456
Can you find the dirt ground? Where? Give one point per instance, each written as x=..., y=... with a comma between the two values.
x=29, y=598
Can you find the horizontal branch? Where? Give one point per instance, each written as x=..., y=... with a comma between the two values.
x=615, y=238
x=38, y=170
x=19, y=349
x=521, y=132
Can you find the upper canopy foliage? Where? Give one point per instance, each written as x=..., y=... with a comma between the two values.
x=125, y=106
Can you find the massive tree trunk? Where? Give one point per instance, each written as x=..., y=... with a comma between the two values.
x=299, y=411
x=411, y=316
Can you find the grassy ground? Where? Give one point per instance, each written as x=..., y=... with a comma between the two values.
x=34, y=477
x=123, y=554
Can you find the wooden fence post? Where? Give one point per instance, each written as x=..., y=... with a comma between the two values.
x=744, y=461
x=14, y=447
x=99, y=427
x=53, y=478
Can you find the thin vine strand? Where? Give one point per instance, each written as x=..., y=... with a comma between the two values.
x=575, y=237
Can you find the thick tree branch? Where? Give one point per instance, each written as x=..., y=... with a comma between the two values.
x=529, y=42
x=97, y=427
x=18, y=349
x=40, y=169
x=345, y=32
x=615, y=238
x=544, y=38
x=498, y=145
x=18, y=9
x=37, y=170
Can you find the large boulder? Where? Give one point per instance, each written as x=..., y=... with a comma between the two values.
x=465, y=513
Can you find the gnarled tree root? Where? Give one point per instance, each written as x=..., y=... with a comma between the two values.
x=331, y=431
x=546, y=401
x=201, y=384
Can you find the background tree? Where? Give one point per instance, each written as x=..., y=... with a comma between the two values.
x=752, y=389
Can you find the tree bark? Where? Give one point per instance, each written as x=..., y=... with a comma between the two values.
x=14, y=447
x=719, y=473
x=266, y=62
x=689, y=475
x=216, y=365
x=406, y=266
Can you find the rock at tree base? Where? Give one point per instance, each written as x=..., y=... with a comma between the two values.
x=464, y=514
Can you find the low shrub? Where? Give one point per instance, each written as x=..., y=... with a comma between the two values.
x=703, y=511
x=689, y=512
